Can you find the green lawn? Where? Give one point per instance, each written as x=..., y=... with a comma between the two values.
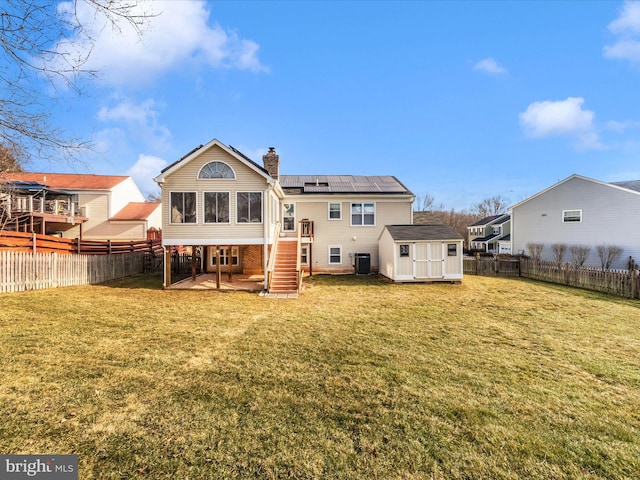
x=490, y=379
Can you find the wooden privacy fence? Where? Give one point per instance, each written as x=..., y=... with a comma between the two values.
x=21, y=271
x=34, y=242
x=623, y=283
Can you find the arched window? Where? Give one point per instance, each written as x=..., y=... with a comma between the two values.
x=216, y=170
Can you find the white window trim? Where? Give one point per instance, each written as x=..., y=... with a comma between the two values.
x=304, y=248
x=204, y=209
x=375, y=215
x=261, y=208
x=572, y=210
x=329, y=211
x=216, y=179
x=295, y=213
x=170, y=206
x=329, y=254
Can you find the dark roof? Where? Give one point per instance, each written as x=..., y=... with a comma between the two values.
x=485, y=221
x=31, y=188
x=423, y=232
x=488, y=238
x=505, y=238
x=630, y=184
x=255, y=164
x=341, y=184
x=426, y=218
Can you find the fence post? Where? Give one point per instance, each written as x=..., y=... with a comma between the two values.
x=634, y=278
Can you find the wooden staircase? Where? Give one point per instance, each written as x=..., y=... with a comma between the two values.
x=285, y=277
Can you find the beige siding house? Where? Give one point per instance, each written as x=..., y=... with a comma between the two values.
x=102, y=207
x=243, y=216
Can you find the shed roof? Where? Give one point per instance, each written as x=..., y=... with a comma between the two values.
x=136, y=211
x=423, y=232
x=341, y=184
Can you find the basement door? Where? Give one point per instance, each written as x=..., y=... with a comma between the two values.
x=427, y=260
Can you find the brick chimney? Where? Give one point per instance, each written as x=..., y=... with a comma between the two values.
x=272, y=162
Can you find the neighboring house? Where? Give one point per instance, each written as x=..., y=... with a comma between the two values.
x=90, y=207
x=491, y=234
x=238, y=213
x=580, y=211
x=418, y=253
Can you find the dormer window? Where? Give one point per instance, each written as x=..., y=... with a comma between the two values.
x=216, y=170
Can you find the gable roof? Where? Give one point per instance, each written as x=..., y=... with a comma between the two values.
x=136, y=211
x=69, y=181
x=203, y=148
x=632, y=186
x=423, y=232
x=341, y=184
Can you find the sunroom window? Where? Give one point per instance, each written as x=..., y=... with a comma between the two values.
x=183, y=207
x=249, y=206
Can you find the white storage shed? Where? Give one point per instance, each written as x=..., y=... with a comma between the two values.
x=420, y=253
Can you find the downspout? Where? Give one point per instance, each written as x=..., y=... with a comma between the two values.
x=265, y=254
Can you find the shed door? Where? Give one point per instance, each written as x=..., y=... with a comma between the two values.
x=420, y=260
x=427, y=260
x=436, y=258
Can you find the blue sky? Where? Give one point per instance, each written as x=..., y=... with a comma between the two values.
x=459, y=100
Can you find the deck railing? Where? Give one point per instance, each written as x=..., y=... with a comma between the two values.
x=27, y=204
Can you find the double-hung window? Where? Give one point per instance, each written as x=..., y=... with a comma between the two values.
x=363, y=214
x=249, y=206
x=335, y=255
x=216, y=207
x=569, y=216
x=335, y=211
x=183, y=207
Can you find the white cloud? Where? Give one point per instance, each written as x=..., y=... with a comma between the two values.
x=565, y=118
x=141, y=122
x=144, y=170
x=627, y=29
x=176, y=35
x=629, y=19
x=490, y=65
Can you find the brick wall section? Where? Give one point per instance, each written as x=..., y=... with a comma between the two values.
x=272, y=163
x=252, y=259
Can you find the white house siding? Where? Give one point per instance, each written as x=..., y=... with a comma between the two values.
x=428, y=260
x=122, y=194
x=185, y=179
x=352, y=239
x=96, y=207
x=610, y=215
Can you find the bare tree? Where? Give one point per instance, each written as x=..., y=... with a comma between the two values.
x=579, y=254
x=535, y=250
x=559, y=249
x=10, y=160
x=490, y=206
x=608, y=254
x=32, y=51
x=426, y=203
